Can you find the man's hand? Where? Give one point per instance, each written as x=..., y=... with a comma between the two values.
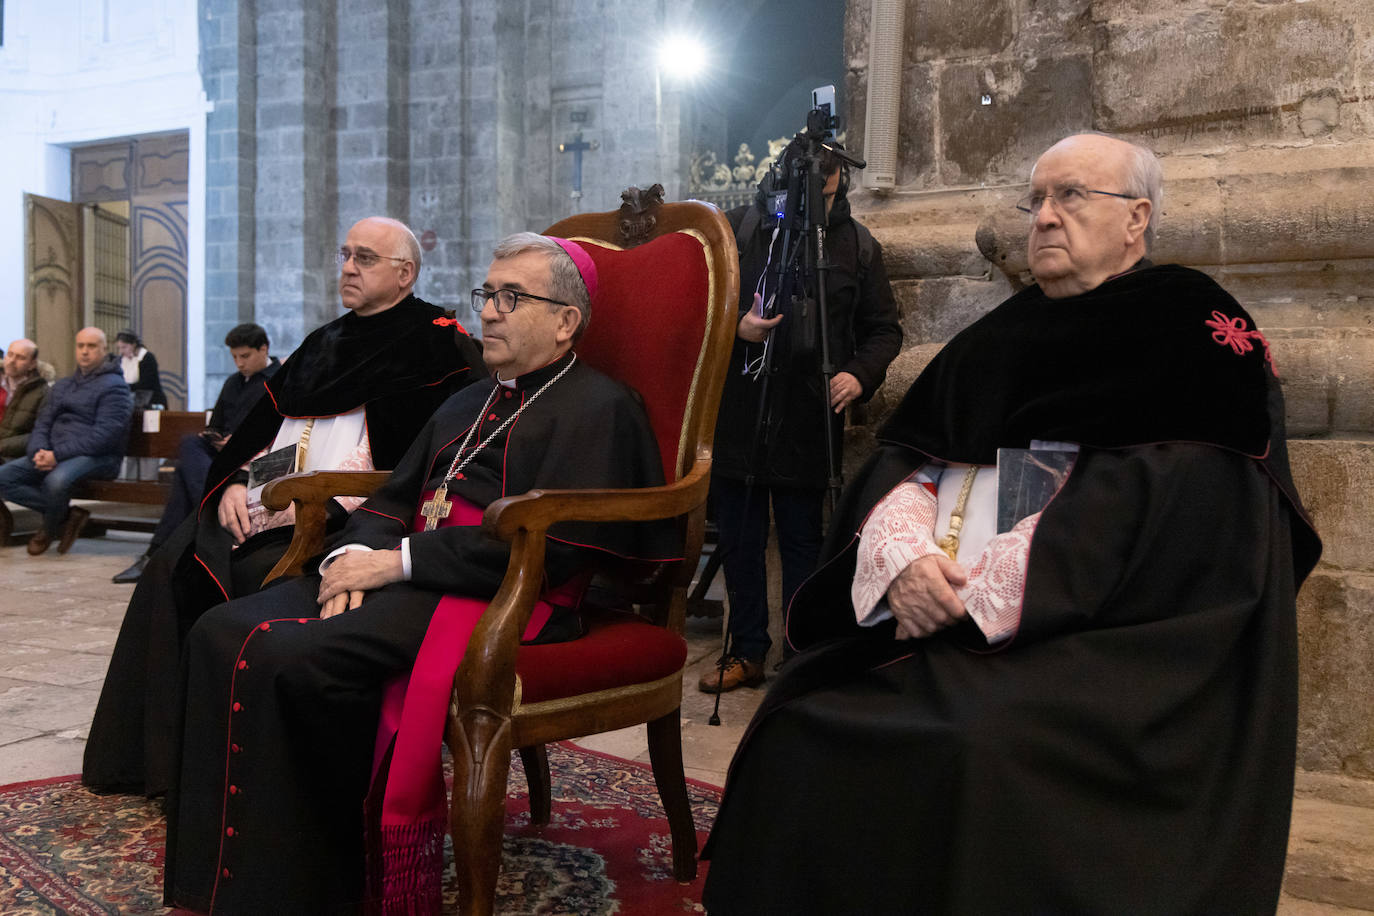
x=753, y=327
x=233, y=512
x=922, y=596
x=844, y=390
x=44, y=459
x=351, y=574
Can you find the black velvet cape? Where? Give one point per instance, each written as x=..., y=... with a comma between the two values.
x=399, y=366
x=1131, y=748
x=310, y=694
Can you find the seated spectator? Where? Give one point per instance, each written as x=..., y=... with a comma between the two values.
x=140, y=371
x=81, y=432
x=248, y=345
x=23, y=390
x=1087, y=705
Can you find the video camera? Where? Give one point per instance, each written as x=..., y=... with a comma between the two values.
x=788, y=172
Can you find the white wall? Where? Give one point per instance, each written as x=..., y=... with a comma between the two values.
x=74, y=72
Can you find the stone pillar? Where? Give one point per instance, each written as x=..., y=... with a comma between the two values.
x=440, y=73
x=371, y=114
x=228, y=60
x=296, y=203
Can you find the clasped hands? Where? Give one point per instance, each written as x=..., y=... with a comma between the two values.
x=922, y=596
x=753, y=328
x=345, y=580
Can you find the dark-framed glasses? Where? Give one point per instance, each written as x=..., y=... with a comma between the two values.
x=1068, y=199
x=363, y=257
x=505, y=300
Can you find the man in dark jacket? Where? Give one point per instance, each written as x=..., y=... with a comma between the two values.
x=81, y=432
x=23, y=390
x=248, y=345
x=782, y=449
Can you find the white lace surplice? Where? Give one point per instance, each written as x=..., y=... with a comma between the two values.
x=902, y=528
x=337, y=443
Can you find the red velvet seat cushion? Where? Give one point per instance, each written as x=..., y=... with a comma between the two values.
x=648, y=327
x=618, y=650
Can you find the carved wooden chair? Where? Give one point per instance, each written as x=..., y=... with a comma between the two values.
x=663, y=322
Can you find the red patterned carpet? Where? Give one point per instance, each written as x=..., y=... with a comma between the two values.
x=64, y=850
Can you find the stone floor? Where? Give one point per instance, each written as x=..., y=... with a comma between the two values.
x=59, y=616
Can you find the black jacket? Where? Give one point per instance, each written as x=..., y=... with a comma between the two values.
x=865, y=337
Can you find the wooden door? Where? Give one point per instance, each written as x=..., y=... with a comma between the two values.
x=52, y=260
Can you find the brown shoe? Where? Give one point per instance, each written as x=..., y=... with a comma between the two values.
x=729, y=673
x=6, y=524
x=76, y=520
x=39, y=542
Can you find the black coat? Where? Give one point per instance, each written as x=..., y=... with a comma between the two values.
x=865, y=337
x=1131, y=748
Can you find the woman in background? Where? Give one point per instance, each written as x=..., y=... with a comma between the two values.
x=140, y=371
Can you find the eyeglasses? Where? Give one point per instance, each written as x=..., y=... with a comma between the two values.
x=505, y=299
x=363, y=257
x=1068, y=199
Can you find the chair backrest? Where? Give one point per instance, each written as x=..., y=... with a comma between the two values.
x=663, y=319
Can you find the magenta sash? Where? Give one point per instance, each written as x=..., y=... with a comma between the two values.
x=406, y=861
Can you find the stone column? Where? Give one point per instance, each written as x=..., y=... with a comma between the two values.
x=228, y=61
x=296, y=204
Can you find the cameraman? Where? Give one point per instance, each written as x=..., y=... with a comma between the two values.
x=787, y=455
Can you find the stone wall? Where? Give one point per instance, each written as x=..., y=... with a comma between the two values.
x=1263, y=114
x=446, y=116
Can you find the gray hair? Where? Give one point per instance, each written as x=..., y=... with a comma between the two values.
x=1144, y=178
x=565, y=280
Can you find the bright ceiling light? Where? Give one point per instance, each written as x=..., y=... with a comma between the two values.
x=682, y=56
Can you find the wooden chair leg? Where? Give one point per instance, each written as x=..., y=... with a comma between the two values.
x=536, y=761
x=480, y=743
x=665, y=753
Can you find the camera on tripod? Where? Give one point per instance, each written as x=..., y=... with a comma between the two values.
x=787, y=174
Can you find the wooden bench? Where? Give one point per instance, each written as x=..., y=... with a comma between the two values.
x=161, y=445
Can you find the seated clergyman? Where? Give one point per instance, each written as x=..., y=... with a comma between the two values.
x=1081, y=700
x=290, y=681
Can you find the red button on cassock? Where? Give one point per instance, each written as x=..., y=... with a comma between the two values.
x=265, y=627
x=238, y=707
x=226, y=874
x=491, y=417
x=233, y=790
x=234, y=748
x=242, y=665
x=228, y=831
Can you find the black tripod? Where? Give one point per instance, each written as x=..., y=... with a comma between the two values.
x=800, y=267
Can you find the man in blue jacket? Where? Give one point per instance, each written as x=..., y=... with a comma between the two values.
x=81, y=432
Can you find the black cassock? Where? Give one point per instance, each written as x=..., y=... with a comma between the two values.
x=399, y=367
x=1131, y=748
x=279, y=729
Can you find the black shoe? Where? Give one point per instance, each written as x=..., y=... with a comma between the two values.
x=133, y=572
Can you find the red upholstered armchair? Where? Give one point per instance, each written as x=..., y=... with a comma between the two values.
x=664, y=324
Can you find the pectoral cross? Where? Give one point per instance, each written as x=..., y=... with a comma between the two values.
x=437, y=508
x=577, y=146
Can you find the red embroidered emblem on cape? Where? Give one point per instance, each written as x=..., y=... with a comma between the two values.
x=1236, y=334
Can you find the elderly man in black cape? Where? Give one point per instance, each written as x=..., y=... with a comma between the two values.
x=291, y=680
x=1088, y=706
x=353, y=395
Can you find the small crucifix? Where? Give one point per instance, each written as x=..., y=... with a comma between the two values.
x=577, y=146
x=437, y=508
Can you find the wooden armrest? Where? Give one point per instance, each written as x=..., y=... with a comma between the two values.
x=320, y=487
x=538, y=509
x=311, y=493
x=489, y=663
